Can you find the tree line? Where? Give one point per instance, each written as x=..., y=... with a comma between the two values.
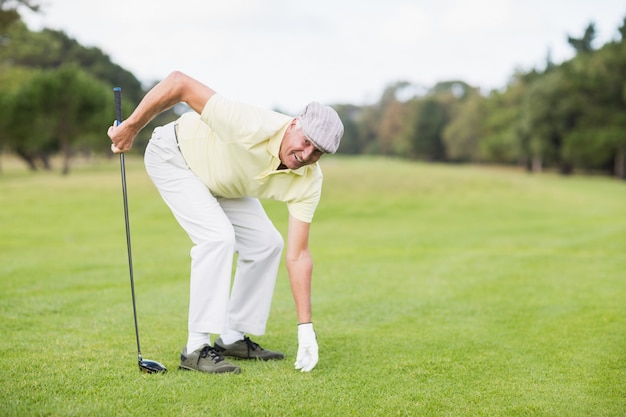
x=55, y=98
x=55, y=94
x=567, y=117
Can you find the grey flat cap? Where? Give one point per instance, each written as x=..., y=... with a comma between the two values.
x=322, y=126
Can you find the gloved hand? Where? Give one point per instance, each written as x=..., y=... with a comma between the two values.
x=307, y=348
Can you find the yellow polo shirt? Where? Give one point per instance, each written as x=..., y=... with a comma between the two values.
x=233, y=148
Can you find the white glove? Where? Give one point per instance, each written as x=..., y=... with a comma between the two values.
x=307, y=348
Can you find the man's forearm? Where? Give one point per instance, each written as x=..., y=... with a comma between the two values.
x=175, y=88
x=300, y=273
x=161, y=97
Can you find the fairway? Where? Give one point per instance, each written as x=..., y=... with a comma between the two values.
x=437, y=291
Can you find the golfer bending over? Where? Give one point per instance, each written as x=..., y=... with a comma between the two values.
x=211, y=166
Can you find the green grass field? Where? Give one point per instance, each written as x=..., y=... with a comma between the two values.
x=438, y=291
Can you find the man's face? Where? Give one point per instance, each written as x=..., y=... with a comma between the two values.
x=296, y=150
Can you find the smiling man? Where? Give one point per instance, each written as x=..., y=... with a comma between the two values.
x=211, y=167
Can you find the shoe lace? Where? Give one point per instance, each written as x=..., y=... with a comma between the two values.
x=251, y=345
x=209, y=352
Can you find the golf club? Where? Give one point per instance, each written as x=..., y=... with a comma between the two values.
x=145, y=365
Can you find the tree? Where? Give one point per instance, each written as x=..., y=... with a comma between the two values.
x=502, y=141
x=47, y=55
x=600, y=78
x=424, y=134
x=56, y=111
x=550, y=110
x=9, y=12
x=391, y=125
x=584, y=45
x=51, y=49
x=349, y=115
x=428, y=117
x=14, y=4
x=462, y=135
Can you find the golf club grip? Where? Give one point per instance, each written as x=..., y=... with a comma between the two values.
x=117, y=92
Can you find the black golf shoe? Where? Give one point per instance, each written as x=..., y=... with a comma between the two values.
x=246, y=349
x=206, y=359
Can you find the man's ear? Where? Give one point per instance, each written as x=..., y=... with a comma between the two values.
x=292, y=125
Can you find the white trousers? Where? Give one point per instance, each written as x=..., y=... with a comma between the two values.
x=218, y=228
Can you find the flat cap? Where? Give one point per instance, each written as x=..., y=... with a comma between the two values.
x=322, y=126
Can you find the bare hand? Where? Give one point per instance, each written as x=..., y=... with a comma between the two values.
x=121, y=136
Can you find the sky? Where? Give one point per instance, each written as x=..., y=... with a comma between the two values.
x=285, y=53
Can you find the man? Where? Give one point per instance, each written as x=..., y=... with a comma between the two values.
x=211, y=166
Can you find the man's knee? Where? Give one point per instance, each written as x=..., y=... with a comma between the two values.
x=217, y=240
x=268, y=244
x=275, y=242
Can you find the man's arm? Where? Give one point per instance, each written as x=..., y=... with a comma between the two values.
x=175, y=88
x=300, y=268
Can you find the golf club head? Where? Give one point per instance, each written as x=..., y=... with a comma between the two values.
x=151, y=367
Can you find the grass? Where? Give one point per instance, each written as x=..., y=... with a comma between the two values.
x=438, y=291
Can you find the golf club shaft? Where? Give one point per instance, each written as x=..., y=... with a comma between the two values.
x=117, y=91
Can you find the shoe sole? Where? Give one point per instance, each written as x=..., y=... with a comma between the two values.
x=252, y=358
x=227, y=371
